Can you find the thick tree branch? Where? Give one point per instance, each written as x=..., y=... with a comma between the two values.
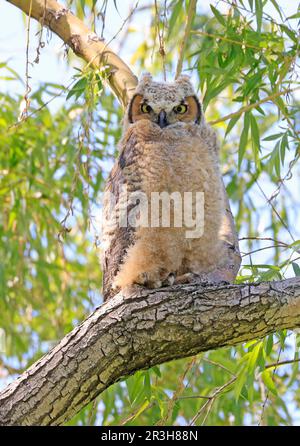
x=149, y=327
x=84, y=42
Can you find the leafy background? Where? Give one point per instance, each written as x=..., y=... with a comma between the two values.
x=59, y=130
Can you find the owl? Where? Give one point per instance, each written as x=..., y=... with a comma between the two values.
x=163, y=201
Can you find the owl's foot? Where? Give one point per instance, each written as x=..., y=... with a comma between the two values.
x=187, y=278
x=149, y=280
x=170, y=280
x=204, y=279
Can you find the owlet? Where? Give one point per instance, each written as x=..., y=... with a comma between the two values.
x=163, y=202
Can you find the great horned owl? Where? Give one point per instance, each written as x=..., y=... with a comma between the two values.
x=166, y=148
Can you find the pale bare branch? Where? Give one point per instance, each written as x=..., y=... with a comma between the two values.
x=84, y=42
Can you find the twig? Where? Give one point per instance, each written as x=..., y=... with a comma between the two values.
x=275, y=211
x=102, y=14
x=92, y=413
x=269, y=239
x=209, y=361
x=211, y=400
x=176, y=394
x=278, y=244
x=161, y=37
x=70, y=210
x=189, y=21
x=242, y=110
x=134, y=413
x=278, y=364
x=106, y=45
x=40, y=43
x=24, y=112
x=265, y=15
x=226, y=39
x=244, y=254
x=186, y=397
x=123, y=39
x=287, y=176
x=268, y=392
x=17, y=124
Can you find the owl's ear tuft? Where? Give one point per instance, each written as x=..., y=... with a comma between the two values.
x=145, y=79
x=183, y=78
x=185, y=85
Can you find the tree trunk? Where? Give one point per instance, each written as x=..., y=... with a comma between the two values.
x=148, y=327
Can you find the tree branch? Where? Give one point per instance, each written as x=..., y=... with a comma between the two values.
x=136, y=332
x=84, y=42
x=249, y=107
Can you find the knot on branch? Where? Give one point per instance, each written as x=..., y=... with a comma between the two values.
x=61, y=12
x=74, y=43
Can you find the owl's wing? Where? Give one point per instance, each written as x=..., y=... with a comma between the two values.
x=116, y=239
x=228, y=266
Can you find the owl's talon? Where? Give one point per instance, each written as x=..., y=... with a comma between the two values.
x=130, y=291
x=149, y=281
x=170, y=280
x=202, y=279
x=146, y=281
x=185, y=278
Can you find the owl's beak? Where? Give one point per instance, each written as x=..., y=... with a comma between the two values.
x=162, y=119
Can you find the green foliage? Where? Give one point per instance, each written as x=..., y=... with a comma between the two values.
x=52, y=170
x=49, y=183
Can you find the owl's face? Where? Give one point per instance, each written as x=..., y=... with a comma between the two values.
x=165, y=103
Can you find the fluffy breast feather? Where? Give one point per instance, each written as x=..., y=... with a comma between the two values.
x=179, y=158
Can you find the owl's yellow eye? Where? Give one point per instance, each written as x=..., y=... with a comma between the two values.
x=145, y=108
x=180, y=109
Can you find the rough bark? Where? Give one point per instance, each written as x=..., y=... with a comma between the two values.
x=149, y=327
